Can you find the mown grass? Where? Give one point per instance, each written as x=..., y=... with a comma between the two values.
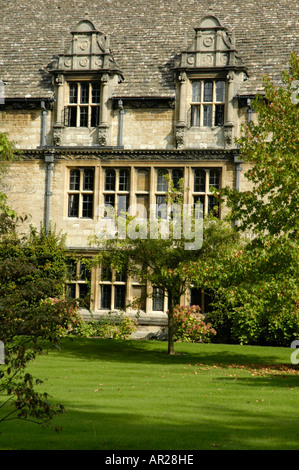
x=131, y=395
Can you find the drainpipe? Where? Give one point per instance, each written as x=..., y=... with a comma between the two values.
x=249, y=110
x=43, y=127
x=121, y=123
x=49, y=161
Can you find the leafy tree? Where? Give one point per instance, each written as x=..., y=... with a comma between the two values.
x=33, y=315
x=256, y=287
x=271, y=147
x=162, y=260
x=255, y=290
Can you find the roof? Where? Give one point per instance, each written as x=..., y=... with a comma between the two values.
x=146, y=39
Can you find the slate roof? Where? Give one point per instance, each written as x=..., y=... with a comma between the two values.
x=146, y=37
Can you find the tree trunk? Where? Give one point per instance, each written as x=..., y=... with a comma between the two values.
x=170, y=325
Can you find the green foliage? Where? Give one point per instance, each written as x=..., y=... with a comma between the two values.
x=271, y=147
x=33, y=314
x=255, y=292
x=256, y=286
x=190, y=325
x=115, y=326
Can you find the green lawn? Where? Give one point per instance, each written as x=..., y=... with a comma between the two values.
x=130, y=395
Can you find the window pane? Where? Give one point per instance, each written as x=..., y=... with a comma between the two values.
x=208, y=91
x=213, y=206
x=109, y=202
x=110, y=180
x=84, y=294
x=176, y=176
x=106, y=273
x=219, y=114
x=124, y=180
x=122, y=204
x=199, y=200
x=87, y=206
x=119, y=297
x=84, y=272
x=214, y=179
x=106, y=296
x=84, y=93
x=96, y=91
x=88, y=178
x=95, y=116
x=220, y=90
x=74, y=180
x=195, y=116
x=158, y=299
x=161, y=208
x=162, y=181
x=71, y=269
x=199, y=181
x=83, y=116
x=73, y=205
x=72, y=116
x=143, y=180
x=120, y=277
x=207, y=115
x=196, y=89
x=71, y=291
x=73, y=96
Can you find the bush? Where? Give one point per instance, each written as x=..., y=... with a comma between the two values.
x=222, y=323
x=113, y=326
x=190, y=325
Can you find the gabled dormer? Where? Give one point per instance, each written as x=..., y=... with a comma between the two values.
x=208, y=73
x=83, y=77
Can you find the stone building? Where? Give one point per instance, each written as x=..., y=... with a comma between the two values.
x=105, y=97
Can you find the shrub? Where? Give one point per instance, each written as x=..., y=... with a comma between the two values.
x=117, y=326
x=222, y=323
x=190, y=325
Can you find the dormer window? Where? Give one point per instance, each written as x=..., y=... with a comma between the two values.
x=208, y=103
x=83, y=108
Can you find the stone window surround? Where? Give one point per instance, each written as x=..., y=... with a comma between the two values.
x=78, y=101
x=150, y=194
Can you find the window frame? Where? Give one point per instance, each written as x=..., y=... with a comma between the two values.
x=83, y=105
x=202, y=193
x=207, y=111
x=112, y=192
x=112, y=282
x=80, y=198
x=78, y=277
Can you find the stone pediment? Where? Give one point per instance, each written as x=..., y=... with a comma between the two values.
x=211, y=47
x=89, y=51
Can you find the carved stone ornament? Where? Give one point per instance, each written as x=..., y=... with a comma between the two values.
x=89, y=51
x=180, y=136
x=57, y=134
x=228, y=136
x=211, y=47
x=103, y=135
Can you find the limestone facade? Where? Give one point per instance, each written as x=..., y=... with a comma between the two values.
x=99, y=116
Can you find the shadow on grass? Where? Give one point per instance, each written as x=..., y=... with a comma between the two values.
x=216, y=428
x=155, y=352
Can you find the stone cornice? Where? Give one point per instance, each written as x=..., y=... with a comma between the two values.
x=118, y=154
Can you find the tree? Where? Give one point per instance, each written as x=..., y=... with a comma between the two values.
x=158, y=251
x=271, y=147
x=33, y=313
x=256, y=286
x=255, y=291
